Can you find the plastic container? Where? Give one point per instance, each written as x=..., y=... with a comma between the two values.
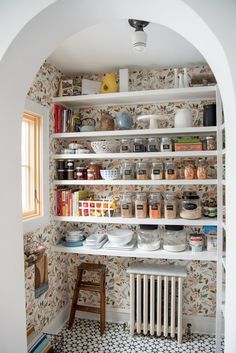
x=127, y=205
x=148, y=237
x=170, y=170
x=141, y=205
x=191, y=205
x=156, y=171
x=142, y=171
x=154, y=206
x=170, y=205
x=128, y=171
x=175, y=238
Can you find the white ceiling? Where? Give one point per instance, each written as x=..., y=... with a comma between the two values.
x=107, y=47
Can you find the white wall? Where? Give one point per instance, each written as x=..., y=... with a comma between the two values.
x=17, y=69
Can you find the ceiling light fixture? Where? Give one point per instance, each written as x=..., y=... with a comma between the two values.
x=139, y=38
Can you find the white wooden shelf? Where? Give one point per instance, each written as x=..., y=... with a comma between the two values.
x=223, y=309
x=193, y=131
x=139, y=97
x=141, y=155
x=137, y=182
x=130, y=221
x=138, y=253
x=224, y=225
x=224, y=261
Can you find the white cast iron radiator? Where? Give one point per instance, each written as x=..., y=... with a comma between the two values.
x=156, y=299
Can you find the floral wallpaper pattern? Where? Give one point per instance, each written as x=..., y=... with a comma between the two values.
x=199, y=287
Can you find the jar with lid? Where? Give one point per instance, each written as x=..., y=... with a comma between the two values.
x=69, y=164
x=128, y=171
x=125, y=146
x=175, y=238
x=142, y=171
x=209, y=143
x=141, y=205
x=60, y=164
x=166, y=144
x=212, y=208
x=127, y=205
x=93, y=172
x=202, y=169
x=189, y=170
x=196, y=242
x=154, y=205
x=170, y=170
x=139, y=145
x=61, y=174
x=81, y=173
x=153, y=145
x=70, y=174
x=148, y=237
x=190, y=205
x=157, y=171
x=170, y=205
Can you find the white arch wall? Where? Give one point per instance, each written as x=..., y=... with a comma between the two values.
x=17, y=69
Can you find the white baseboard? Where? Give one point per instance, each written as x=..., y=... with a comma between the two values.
x=199, y=324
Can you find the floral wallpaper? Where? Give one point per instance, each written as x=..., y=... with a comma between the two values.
x=199, y=287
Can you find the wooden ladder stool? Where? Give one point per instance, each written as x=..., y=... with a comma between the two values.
x=90, y=287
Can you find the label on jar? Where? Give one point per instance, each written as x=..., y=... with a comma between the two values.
x=165, y=146
x=125, y=206
x=189, y=206
x=169, y=207
x=127, y=172
x=170, y=171
x=140, y=207
x=154, y=206
x=156, y=171
x=124, y=148
x=152, y=148
x=139, y=148
x=141, y=171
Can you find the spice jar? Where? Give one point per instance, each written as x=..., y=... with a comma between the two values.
x=153, y=145
x=70, y=174
x=212, y=208
x=142, y=171
x=128, y=171
x=125, y=146
x=170, y=205
x=139, y=145
x=202, y=169
x=93, y=172
x=157, y=171
x=154, y=205
x=81, y=173
x=61, y=174
x=175, y=238
x=69, y=164
x=127, y=205
x=170, y=171
x=209, y=143
x=191, y=207
x=166, y=144
x=148, y=237
x=189, y=170
x=141, y=205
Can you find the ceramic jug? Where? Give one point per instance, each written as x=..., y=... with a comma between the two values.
x=183, y=118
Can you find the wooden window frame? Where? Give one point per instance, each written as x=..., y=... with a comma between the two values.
x=34, y=165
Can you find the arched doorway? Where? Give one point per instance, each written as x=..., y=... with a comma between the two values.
x=17, y=69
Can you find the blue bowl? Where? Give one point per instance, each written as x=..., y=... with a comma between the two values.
x=72, y=244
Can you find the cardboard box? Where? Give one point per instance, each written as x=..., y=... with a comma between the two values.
x=188, y=146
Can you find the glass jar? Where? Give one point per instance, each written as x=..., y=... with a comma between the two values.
x=141, y=205
x=175, y=238
x=127, y=205
x=166, y=144
x=170, y=170
x=128, y=171
x=154, y=205
x=60, y=164
x=125, y=146
x=189, y=170
x=209, y=143
x=148, y=237
x=93, y=172
x=196, y=242
x=70, y=164
x=81, y=173
x=139, y=145
x=191, y=206
x=142, y=171
x=170, y=205
x=61, y=174
x=212, y=208
x=153, y=145
x=70, y=174
x=157, y=171
x=202, y=169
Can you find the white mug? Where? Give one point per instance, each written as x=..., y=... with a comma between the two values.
x=183, y=118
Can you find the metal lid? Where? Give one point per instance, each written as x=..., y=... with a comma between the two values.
x=174, y=227
x=190, y=195
x=148, y=226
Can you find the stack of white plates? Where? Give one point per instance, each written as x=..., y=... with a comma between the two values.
x=95, y=241
x=120, y=237
x=74, y=236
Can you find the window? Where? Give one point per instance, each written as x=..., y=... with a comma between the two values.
x=30, y=168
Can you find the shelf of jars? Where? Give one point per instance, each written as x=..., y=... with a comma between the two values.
x=138, y=253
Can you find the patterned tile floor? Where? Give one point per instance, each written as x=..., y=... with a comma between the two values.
x=84, y=337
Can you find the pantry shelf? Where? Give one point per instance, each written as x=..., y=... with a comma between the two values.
x=138, y=253
x=137, y=182
x=193, y=131
x=141, y=155
x=121, y=220
x=139, y=97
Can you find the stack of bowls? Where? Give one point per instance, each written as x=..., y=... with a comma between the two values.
x=120, y=236
x=74, y=236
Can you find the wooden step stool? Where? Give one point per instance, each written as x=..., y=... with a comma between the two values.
x=90, y=287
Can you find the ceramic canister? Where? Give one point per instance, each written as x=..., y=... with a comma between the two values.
x=183, y=118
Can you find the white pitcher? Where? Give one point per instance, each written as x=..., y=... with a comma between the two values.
x=183, y=118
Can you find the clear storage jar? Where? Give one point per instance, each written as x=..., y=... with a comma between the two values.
x=209, y=143
x=170, y=170
x=125, y=146
x=148, y=237
x=127, y=205
x=202, y=169
x=156, y=171
x=139, y=145
x=141, y=205
x=189, y=170
x=128, y=171
x=154, y=205
x=175, y=238
x=170, y=205
x=142, y=171
x=166, y=144
x=153, y=145
x=190, y=205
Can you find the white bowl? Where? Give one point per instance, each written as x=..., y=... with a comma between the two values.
x=108, y=146
x=120, y=236
x=110, y=174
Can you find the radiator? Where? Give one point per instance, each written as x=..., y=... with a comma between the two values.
x=156, y=293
